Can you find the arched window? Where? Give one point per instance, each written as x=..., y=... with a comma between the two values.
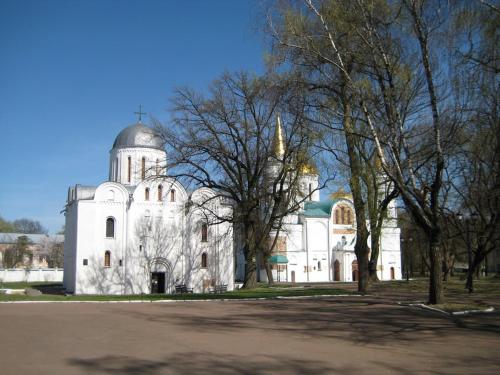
x=204, y=260
x=110, y=227
x=349, y=219
x=160, y=193
x=129, y=168
x=143, y=168
x=204, y=232
x=107, y=258
x=157, y=166
x=146, y=194
x=319, y=265
x=337, y=216
x=172, y=195
x=342, y=214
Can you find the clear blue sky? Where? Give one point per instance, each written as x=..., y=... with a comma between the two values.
x=73, y=72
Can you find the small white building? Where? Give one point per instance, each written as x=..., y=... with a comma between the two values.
x=316, y=243
x=139, y=232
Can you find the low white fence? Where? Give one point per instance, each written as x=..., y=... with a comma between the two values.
x=31, y=275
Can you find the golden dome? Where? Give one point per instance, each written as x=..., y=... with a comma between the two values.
x=305, y=165
x=341, y=194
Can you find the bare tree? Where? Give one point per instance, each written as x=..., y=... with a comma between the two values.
x=225, y=142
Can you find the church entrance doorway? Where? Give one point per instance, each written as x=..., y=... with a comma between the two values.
x=393, y=274
x=336, y=270
x=157, y=282
x=354, y=270
x=161, y=276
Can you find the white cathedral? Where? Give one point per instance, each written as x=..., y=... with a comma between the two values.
x=143, y=233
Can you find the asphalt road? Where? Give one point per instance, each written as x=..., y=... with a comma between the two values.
x=344, y=335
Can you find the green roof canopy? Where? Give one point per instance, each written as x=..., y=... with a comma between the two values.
x=278, y=259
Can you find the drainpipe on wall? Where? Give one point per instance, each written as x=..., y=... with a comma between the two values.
x=307, y=252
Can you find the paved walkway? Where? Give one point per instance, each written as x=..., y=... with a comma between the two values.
x=345, y=335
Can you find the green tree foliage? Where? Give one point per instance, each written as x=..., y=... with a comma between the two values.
x=18, y=255
x=6, y=226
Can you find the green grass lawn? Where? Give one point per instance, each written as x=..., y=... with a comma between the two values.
x=454, y=286
x=260, y=292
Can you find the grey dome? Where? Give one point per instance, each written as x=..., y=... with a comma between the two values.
x=138, y=135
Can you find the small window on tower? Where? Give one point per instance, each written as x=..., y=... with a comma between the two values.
x=85, y=262
x=110, y=227
x=349, y=219
x=160, y=193
x=146, y=194
x=143, y=168
x=129, y=168
x=310, y=192
x=204, y=260
x=204, y=232
x=172, y=195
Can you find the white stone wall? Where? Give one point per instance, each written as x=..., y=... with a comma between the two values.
x=31, y=275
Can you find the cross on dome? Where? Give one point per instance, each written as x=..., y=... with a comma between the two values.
x=140, y=113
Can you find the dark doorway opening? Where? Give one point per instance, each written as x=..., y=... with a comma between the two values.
x=393, y=274
x=157, y=282
x=355, y=270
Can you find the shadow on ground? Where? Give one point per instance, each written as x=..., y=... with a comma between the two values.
x=361, y=321
x=196, y=363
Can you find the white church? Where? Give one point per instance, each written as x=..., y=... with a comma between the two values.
x=139, y=232
x=316, y=244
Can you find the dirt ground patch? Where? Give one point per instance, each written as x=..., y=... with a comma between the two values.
x=348, y=335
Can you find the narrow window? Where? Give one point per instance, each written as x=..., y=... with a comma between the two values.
x=110, y=227
x=129, y=168
x=204, y=232
x=143, y=168
x=204, y=260
x=349, y=217
x=120, y=262
x=146, y=194
x=107, y=258
x=116, y=169
x=342, y=214
x=140, y=247
x=85, y=262
x=172, y=195
x=337, y=219
x=157, y=167
x=160, y=193
x=319, y=265
x=310, y=192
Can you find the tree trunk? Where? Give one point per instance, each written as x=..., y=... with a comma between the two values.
x=361, y=246
x=435, y=272
x=474, y=267
x=269, y=273
x=363, y=274
x=372, y=265
x=250, y=281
